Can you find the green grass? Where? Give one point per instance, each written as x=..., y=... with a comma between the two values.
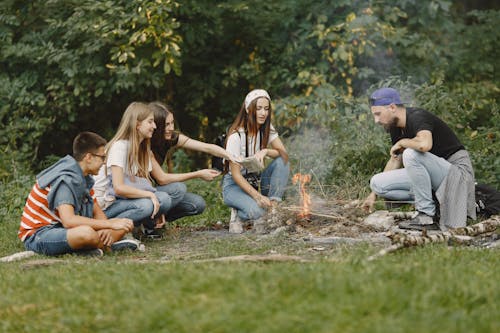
x=433, y=289
x=426, y=289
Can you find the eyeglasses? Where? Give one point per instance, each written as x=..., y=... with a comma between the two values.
x=103, y=157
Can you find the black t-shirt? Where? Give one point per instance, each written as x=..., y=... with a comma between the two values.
x=444, y=142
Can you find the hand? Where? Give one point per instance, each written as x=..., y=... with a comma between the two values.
x=396, y=150
x=160, y=221
x=369, y=202
x=208, y=174
x=263, y=201
x=156, y=204
x=260, y=156
x=105, y=237
x=119, y=224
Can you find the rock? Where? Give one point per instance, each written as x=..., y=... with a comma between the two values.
x=380, y=220
x=333, y=240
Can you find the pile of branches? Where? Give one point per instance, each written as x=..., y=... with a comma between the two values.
x=459, y=236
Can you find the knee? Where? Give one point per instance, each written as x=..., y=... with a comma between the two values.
x=85, y=236
x=200, y=205
x=165, y=200
x=376, y=184
x=254, y=212
x=145, y=206
x=280, y=163
x=177, y=189
x=410, y=156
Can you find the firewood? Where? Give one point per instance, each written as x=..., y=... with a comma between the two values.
x=459, y=236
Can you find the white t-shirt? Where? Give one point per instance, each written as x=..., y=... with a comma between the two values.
x=117, y=155
x=236, y=144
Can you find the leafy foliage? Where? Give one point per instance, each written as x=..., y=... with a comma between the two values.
x=67, y=64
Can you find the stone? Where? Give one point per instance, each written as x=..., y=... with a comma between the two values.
x=380, y=220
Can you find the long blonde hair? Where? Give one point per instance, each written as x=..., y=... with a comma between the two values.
x=139, y=151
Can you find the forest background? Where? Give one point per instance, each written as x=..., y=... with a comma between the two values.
x=73, y=65
x=68, y=66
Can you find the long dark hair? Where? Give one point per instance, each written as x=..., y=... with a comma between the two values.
x=159, y=145
x=248, y=121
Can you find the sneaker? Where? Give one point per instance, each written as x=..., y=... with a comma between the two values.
x=421, y=227
x=90, y=253
x=126, y=244
x=151, y=234
x=422, y=219
x=235, y=224
x=420, y=222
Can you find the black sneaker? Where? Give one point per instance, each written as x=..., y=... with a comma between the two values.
x=151, y=234
x=420, y=222
x=126, y=244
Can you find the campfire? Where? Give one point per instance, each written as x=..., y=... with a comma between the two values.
x=305, y=198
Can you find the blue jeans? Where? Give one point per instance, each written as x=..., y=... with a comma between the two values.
x=50, y=240
x=422, y=173
x=183, y=203
x=273, y=184
x=139, y=210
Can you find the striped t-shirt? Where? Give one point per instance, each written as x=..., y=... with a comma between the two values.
x=36, y=213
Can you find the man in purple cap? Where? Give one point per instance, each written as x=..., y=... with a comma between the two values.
x=434, y=160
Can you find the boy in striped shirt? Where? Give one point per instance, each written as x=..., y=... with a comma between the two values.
x=61, y=216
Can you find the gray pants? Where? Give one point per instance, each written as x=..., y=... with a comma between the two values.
x=422, y=173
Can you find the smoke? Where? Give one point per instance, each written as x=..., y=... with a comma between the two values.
x=310, y=152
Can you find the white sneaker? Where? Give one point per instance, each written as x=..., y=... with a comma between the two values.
x=235, y=224
x=130, y=236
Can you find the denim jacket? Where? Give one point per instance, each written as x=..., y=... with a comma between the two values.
x=67, y=171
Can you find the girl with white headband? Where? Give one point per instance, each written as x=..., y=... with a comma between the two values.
x=250, y=135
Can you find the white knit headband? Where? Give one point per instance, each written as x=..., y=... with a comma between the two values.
x=254, y=94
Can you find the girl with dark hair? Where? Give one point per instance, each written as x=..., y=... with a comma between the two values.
x=164, y=138
x=250, y=135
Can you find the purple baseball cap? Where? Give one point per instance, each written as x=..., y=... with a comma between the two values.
x=385, y=96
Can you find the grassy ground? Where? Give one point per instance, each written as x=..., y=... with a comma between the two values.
x=170, y=288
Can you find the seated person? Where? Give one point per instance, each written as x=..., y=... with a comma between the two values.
x=60, y=215
x=434, y=160
x=250, y=135
x=165, y=138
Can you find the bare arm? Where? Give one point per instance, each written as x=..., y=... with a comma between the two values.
x=421, y=142
x=276, y=145
x=98, y=213
x=238, y=178
x=131, y=192
x=164, y=178
x=70, y=220
x=209, y=148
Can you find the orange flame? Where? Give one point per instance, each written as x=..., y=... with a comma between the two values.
x=304, y=196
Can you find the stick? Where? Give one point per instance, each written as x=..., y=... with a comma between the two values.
x=320, y=185
x=256, y=258
x=17, y=256
x=383, y=252
x=296, y=208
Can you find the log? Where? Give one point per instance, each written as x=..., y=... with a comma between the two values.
x=459, y=236
x=488, y=225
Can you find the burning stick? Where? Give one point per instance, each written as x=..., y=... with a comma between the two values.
x=304, y=196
